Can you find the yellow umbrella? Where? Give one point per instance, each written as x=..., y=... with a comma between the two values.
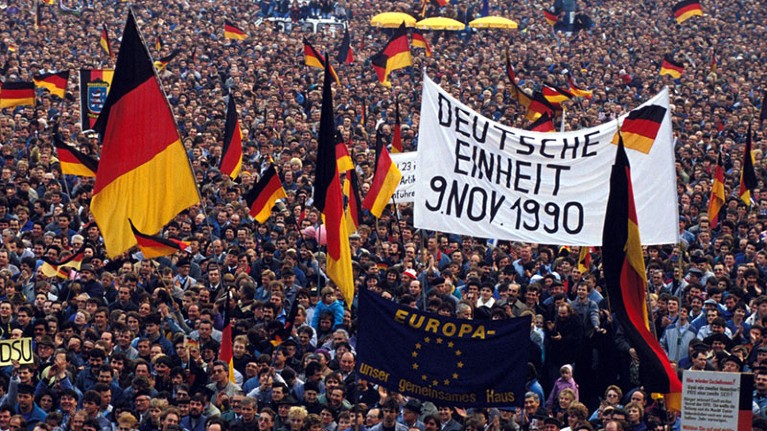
x=493, y=22
x=392, y=20
x=440, y=23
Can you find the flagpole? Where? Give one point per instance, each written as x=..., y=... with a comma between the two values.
x=562, y=127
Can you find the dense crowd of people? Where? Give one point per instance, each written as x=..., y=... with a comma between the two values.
x=128, y=344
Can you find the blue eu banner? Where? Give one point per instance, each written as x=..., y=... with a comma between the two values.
x=465, y=363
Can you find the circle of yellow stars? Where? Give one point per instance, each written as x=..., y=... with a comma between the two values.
x=437, y=342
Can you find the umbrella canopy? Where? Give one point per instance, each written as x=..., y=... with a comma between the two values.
x=392, y=20
x=440, y=23
x=493, y=22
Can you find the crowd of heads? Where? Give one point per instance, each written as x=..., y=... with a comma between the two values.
x=127, y=343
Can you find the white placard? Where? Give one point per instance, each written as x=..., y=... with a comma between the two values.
x=480, y=178
x=406, y=164
x=711, y=400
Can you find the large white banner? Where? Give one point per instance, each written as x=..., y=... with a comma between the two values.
x=406, y=163
x=480, y=178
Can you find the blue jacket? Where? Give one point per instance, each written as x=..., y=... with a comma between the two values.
x=336, y=308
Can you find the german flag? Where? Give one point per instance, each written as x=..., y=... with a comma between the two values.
x=577, y=91
x=157, y=246
x=353, y=212
x=226, y=352
x=59, y=269
x=748, y=181
x=55, y=82
x=386, y=178
x=378, y=62
x=231, y=154
x=162, y=63
x=671, y=67
x=717, y=199
x=420, y=42
x=143, y=173
x=536, y=105
x=104, y=42
x=343, y=159
x=74, y=162
x=396, y=140
x=441, y=3
x=539, y=106
x=312, y=58
x=17, y=93
x=264, y=194
x=394, y=56
x=543, y=124
x=555, y=95
x=641, y=126
x=686, y=9
x=551, y=17
x=158, y=43
x=231, y=31
x=625, y=274
x=328, y=197
x=363, y=113
x=345, y=52
x=584, y=260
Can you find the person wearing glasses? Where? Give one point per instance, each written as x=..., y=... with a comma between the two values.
x=220, y=380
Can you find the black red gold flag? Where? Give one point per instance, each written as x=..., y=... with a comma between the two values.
x=748, y=181
x=17, y=93
x=420, y=42
x=671, y=67
x=641, y=126
x=313, y=58
x=328, y=197
x=551, y=18
x=555, y=95
x=73, y=161
x=345, y=52
x=104, y=42
x=163, y=62
x=343, y=159
x=686, y=9
x=144, y=174
x=394, y=56
x=231, y=31
x=264, y=194
x=717, y=199
x=625, y=274
x=231, y=153
x=535, y=105
x=63, y=267
x=352, y=191
x=543, y=124
x=153, y=246
x=226, y=352
x=578, y=91
x=584, y=260
x=386, y=178
x=54, y=82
